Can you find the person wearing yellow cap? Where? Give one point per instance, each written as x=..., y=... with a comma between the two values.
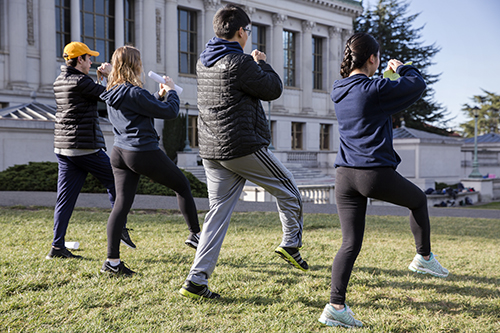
x=78, y=140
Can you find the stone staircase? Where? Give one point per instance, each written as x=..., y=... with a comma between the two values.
x=303, y=175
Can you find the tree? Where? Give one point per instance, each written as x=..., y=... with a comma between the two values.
x=392, y=28
x=487, y=107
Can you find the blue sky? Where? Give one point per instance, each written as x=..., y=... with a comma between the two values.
x=468, y=33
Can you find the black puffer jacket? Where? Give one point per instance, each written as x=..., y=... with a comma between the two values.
x=232, y=122
x=77, y=119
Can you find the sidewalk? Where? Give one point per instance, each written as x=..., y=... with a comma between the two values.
x=48, y=199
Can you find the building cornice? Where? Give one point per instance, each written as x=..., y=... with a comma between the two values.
x=351, y=7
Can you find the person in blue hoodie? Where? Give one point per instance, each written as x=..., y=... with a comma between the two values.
x=366, y=163
x=233, y=139
x=136, y=150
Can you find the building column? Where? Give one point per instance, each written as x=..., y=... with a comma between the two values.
x=119, y=24
x=75, y=21
x=248, y=46
x=306, y=66
x=18, y=44
x=335, y=54
x=148, y=49
x=277, y=56
x=171, y=40
x=47, y=45
x=210, y=9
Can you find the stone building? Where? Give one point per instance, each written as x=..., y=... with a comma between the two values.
x=303, y=40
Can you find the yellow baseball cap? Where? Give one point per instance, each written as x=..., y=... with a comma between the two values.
x=76, y=49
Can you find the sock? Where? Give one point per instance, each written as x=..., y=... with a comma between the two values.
x=113, y=262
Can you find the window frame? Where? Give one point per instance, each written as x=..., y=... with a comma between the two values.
x=259, y=34
x=289, y=58
x=324, y=136
x=63, y=37
x=91, y=40
x=192, y=32
x=317, y=62
x=298, y=135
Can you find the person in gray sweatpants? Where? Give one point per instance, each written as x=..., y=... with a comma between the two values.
x=233, y=139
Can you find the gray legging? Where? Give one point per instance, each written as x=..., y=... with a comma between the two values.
x=353, y=187
x=128, y=166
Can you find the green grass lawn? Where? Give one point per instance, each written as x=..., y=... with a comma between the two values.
x=260, y=292
x=489, y=205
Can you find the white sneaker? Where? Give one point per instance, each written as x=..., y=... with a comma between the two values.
x=431, y=266
x=345, y=317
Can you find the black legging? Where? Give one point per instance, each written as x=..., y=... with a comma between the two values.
x=352, y=188
x=128, y=166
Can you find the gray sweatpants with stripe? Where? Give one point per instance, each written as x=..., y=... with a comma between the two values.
x=225, y=182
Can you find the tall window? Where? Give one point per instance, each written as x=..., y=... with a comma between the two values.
x=289, y=60
x=297, y=134
x=324, y=137
x=193, y=131
x=317, y=63
x=187, y=41
x=259, y=38
x=63, y=25
x=129, y=22
x=98, y=27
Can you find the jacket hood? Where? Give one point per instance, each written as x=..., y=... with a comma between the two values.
x=217, y=48
x=342, y=87
x=114, y=97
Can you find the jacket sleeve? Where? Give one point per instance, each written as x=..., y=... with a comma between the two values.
x=395, y=96
x=260, y=80
x=89, y=89
x=151, y=106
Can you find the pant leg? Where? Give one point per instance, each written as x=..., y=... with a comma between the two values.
x=126, y=182
x=224, y=190
x=388, y=185
x=69, y=184
x=351, y=207
x=156, y=165
x=99, y=165
x=264, y=169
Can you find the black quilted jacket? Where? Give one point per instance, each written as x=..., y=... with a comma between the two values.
x=77, y=119
x=232, y=122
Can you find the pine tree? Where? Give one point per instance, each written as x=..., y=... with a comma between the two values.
x=389, y=23
x=487, y=108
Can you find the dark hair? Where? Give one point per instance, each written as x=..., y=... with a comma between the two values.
x=228, y=20
x=74, y=61
x=358, y=49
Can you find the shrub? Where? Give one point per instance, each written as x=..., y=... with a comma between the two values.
x=42, y=176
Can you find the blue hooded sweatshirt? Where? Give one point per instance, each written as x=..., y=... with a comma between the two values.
x=132, y=109
x=217, y=48
x=364, y=109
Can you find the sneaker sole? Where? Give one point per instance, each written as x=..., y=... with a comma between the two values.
x=331, y=323
x=425, y=271
x=189, y=294
x=123, y=242
x=191, y=245
x=287, y=257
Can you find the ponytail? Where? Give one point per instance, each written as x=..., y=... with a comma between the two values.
x=358, y=49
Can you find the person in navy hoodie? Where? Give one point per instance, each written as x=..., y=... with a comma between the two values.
x=366, y=163
x=136, y=150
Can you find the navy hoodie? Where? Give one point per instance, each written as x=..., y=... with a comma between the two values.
x=217, y=48
x=364, y=108
x=132, y=109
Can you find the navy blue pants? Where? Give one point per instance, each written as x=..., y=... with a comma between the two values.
x=73, y=171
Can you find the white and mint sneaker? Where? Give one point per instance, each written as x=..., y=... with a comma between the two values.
x=431, y=266
x=345, y=317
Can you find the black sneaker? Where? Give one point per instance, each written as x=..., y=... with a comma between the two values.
x=61, y=253
x=196, y=291
x=126, y=238
x=292, y=256
x=121, y=269
x=192, y=241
